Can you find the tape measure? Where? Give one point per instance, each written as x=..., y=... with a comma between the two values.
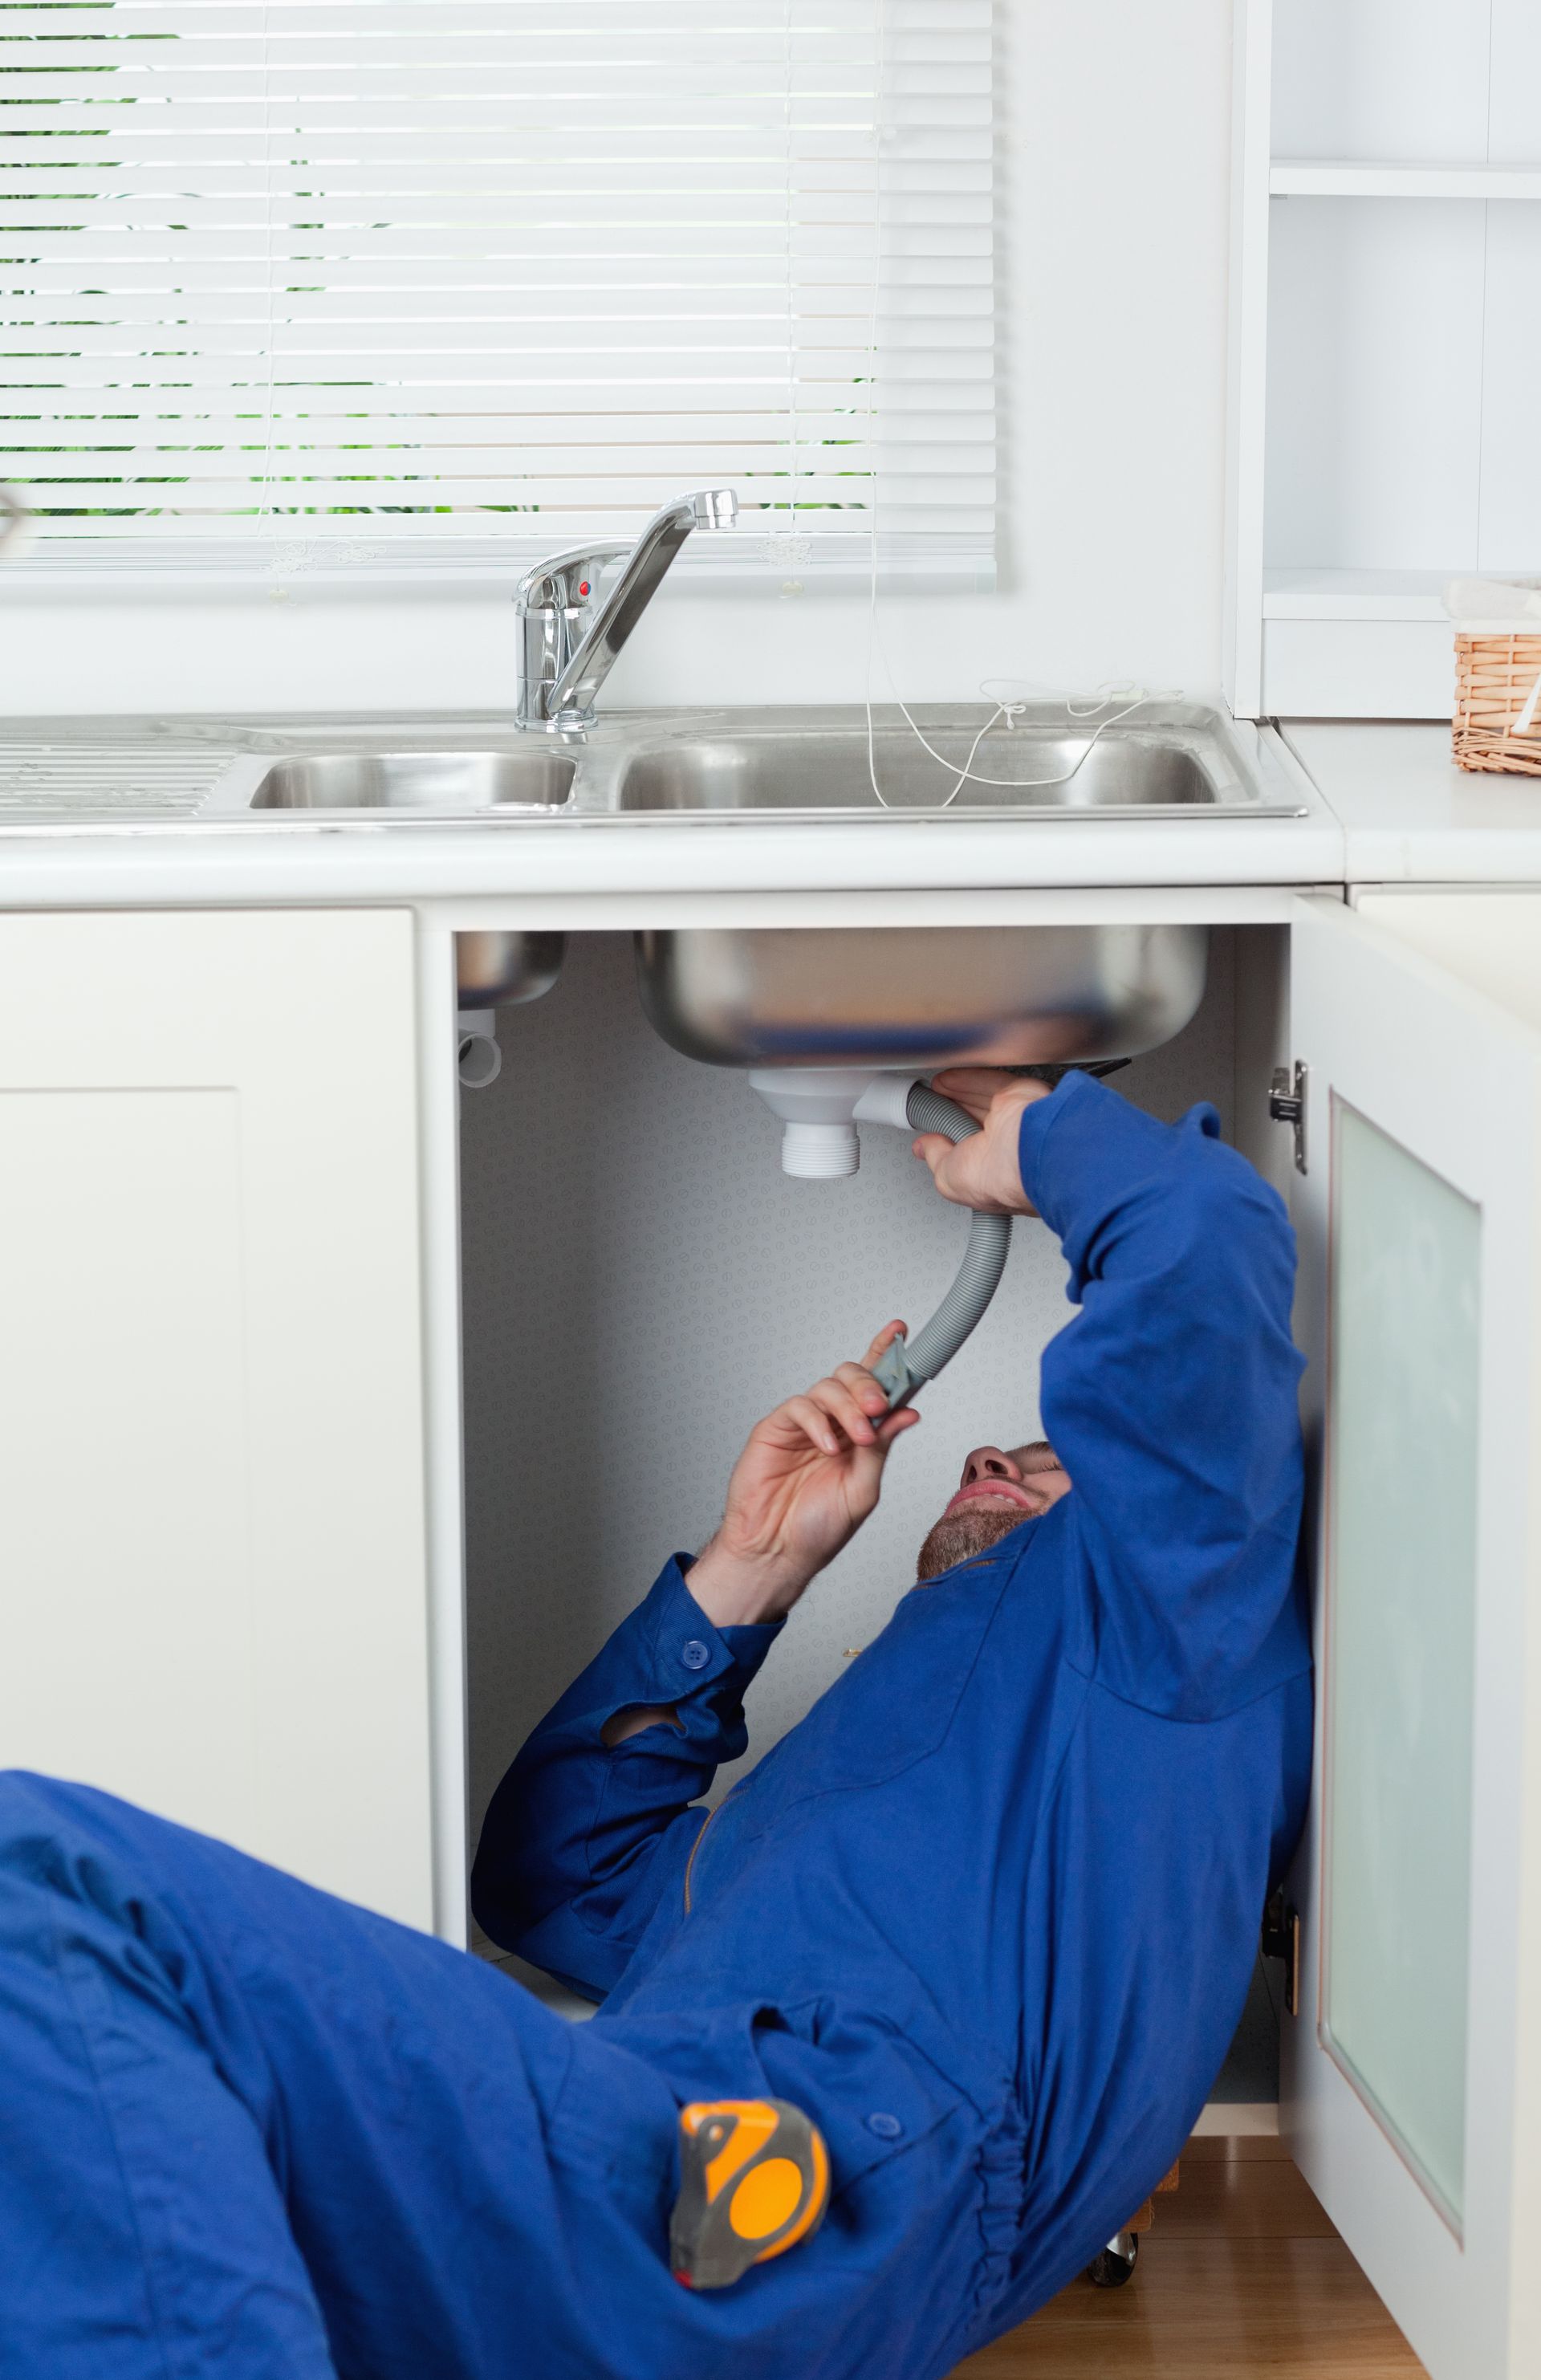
x=754, y=2181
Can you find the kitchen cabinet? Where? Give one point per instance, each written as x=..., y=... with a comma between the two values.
x=211, y=1515
x=653, y=1224
x=235, y=1458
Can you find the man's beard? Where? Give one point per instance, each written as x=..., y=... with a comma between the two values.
x=958, y=1536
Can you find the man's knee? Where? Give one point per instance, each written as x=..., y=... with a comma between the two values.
x=77, y=1837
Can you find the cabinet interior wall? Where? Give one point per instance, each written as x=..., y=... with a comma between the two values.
x=640, y=1281
x=1403, y=356
x=1415, y=83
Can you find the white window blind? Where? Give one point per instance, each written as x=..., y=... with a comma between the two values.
x=349, y=286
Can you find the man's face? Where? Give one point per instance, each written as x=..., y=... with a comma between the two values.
x=999, y=1490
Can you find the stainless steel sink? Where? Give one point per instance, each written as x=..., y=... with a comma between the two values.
x=777, y=766
x=920, y=997
x=536, y=779
x=856, y=996
x=739, y=996
x=505, y=969
x=1034, y=764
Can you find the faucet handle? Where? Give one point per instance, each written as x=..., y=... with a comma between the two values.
x=558, y=583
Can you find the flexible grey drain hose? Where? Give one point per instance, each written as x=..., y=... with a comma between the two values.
x=904, y=1366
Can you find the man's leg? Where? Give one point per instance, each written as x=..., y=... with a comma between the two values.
x=143, y=2230
x=248, y=2128
x=257, y=2129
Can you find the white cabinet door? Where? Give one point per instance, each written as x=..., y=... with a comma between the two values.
x=1411, y=2095
x=212, y=1558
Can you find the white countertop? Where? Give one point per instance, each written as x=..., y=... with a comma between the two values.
x=409, y=863
x=1409, y=815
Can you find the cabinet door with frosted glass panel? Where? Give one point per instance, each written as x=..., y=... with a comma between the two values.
x=1412, y=2093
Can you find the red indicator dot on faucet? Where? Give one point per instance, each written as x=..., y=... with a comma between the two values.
x=583, y=586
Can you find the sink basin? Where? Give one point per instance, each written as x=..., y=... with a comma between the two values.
x=505, y=969
x=920, y=997
x=416, y=781
x=1043, y=760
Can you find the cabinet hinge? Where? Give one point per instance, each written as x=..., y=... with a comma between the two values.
x=1287, y=1104
x=1281, y=1940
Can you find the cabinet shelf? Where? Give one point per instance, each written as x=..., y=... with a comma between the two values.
x=1328, y=594
x=1303, y=179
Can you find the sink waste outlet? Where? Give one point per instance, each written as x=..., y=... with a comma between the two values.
x=821, y=1108
x=479, y=1057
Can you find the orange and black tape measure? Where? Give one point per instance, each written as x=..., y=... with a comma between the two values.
x=754, y=2181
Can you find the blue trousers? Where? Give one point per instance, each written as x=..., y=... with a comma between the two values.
x=247, y=2129
x=251, y=2131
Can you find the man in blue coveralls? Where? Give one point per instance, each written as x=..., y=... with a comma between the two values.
x=988, y=1915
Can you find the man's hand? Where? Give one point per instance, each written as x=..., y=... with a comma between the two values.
x=982, y=1172
x=802, y=1488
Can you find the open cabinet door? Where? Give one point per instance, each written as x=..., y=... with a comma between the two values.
x=1411, y=2080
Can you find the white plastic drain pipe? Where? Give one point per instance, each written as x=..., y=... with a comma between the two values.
x=478, y=1052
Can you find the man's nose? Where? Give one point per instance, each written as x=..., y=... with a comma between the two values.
x=990, y=1463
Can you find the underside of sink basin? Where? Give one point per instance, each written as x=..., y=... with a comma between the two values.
x=920, y=997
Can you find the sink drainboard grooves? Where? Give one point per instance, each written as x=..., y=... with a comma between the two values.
x=118, y=781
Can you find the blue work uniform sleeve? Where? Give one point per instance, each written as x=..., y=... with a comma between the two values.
x=1171, y=1399
x=582, y=1838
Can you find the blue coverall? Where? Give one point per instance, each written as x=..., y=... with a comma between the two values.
x=989, y=1915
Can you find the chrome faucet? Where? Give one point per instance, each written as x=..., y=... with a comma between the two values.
x=567, y=649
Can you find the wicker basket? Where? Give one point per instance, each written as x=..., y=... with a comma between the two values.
x=1495, y=677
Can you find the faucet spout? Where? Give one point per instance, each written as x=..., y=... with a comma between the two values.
x=560, y=691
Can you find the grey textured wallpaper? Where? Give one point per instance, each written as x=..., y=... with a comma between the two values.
x=641, y=1282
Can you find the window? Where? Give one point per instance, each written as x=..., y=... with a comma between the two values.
x=424, y=286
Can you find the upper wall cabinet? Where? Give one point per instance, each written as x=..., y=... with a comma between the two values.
x=1386, y=342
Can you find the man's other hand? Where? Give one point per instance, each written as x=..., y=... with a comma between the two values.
x=802, y=1488
x=982, y=1172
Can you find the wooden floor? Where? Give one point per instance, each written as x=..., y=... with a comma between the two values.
x=1241, y=2274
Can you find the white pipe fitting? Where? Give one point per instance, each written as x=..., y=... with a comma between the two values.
x=821, y=1107
x=480, y=1053
x=819, y=1152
